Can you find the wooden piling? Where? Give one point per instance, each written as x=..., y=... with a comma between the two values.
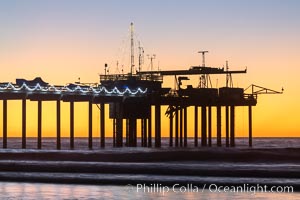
x=196, y=127
x=171, y=130
x=176, y=127
x=203, y=126
x=58, y=133
x=219, y=134
x=102, y=125
x=24, y=123
x=132, y=132
x=39, y=139
x=71, y=124
x=150, y=127
x=250, y=125
x=157, y=126
x=90, y=140
x=209, y=127
x=127, y=132
x=181, y=126
x=4, y=123
x=232, y=127
x=142, y=133
x=145, y=132
x=119, y=127
x=227, y=125
x=185, y=126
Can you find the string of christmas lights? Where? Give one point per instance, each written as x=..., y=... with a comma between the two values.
x=77, y=89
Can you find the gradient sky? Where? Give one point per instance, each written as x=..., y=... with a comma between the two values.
x=66, y=39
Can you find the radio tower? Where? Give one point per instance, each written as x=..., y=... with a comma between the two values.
x=203, y=78
x=132, y=48
x=141, y=57
x=151, y=57
x=203, y=57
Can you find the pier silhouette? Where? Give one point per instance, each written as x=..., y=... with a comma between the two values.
x=131, y=97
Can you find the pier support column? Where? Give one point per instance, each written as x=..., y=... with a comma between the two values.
x=232, y=124
x=250, y=126
x=227, y=125
x=180, y=126
x=150, y=128
x=127, y=132
x=58, y=135
x=203, y=126
x=4, y=123
x=157, y=126
x=24, y=123
x=219, y=134
x=176, y=127
x=71, y=124
x=132, y=132
x=90, y=124
x=209, y=127
x=185, y=127
x=114, y=132
x=39, y=139
x=119, y=126
x=144, y=132
x=171, y=130
x=119, y=132
x=196, y=127
x=102, y=125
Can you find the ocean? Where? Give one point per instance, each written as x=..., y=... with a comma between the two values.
x=82, y=143
x=213, y=187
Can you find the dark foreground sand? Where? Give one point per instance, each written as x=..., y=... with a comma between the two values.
x=142, y=165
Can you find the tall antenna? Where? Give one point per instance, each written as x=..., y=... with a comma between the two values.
x=204, y=79
x=203, y=57
x=141, y=56
x=151, y=57
x=132, y=48
x=228, y=76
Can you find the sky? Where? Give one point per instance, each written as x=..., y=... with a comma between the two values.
x=61, y=41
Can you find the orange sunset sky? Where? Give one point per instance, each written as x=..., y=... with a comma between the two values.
x=63, y=40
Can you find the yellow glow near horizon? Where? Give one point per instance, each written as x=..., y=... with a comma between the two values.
x=62, y=41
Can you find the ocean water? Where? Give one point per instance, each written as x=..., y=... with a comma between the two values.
x=26, y=191
x=82, y=143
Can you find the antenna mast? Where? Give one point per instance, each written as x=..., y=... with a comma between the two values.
x=228, y=76
x=151, y=57
x=132, y=48
x=203, y=57
x=204, y=79
x=141, y=57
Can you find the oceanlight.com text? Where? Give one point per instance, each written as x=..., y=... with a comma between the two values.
x=213, y=188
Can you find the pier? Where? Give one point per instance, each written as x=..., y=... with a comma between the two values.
x=131, y=97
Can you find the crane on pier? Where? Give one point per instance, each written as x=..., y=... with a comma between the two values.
x=255, y=90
